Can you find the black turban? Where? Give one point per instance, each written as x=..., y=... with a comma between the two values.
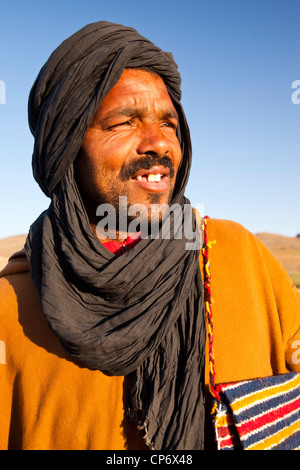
x=141, y=314
x=71, y=85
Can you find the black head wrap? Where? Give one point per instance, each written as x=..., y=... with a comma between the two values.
x=142, y=313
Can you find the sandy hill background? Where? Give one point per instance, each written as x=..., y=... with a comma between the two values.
x=9, y=246
x=286, y=249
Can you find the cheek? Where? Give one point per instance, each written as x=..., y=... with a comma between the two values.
x=106, y=154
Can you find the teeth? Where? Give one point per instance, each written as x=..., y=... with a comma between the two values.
x=153, y=178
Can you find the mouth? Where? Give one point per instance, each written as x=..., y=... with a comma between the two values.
x=155, y=179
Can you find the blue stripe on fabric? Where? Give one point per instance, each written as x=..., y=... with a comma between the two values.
x=252, y=386
x=252, y=412
x=292, y=442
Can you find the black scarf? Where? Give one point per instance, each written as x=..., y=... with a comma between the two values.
x=142, y=313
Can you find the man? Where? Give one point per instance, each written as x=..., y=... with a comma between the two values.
x=105, y=335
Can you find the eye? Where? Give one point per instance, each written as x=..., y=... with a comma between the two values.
x=125, y=123
x=170, y=124
x=120, y=124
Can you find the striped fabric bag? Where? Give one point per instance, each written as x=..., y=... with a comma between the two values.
x=258, y=414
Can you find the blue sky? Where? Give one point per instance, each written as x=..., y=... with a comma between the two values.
x=238, y=60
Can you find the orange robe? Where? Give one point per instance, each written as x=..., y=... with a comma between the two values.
x=50, y=402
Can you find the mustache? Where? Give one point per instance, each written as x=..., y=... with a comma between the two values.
x=145, y=163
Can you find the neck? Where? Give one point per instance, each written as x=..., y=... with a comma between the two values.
x=118, y=236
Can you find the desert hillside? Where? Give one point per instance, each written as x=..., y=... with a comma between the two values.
x=8, y=246
x=286, y=249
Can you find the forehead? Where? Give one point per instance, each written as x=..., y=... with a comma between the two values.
x=137, y=87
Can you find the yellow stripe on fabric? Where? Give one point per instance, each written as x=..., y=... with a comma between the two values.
x=223, y=420
x=276, y=438
x=263, y=394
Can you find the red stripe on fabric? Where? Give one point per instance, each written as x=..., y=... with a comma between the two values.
x=267, y=418
x=232, y=441
x=221, y=388
x=226, y=431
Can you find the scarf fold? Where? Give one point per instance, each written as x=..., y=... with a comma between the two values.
x=140, y=314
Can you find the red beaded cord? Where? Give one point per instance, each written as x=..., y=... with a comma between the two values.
x=208, y=306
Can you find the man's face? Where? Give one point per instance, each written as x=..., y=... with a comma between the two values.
x=130, y=147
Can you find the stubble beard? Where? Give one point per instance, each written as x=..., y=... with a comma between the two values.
x=152, y=212
x=117, y=196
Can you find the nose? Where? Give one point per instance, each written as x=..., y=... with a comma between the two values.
x=153, y=141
